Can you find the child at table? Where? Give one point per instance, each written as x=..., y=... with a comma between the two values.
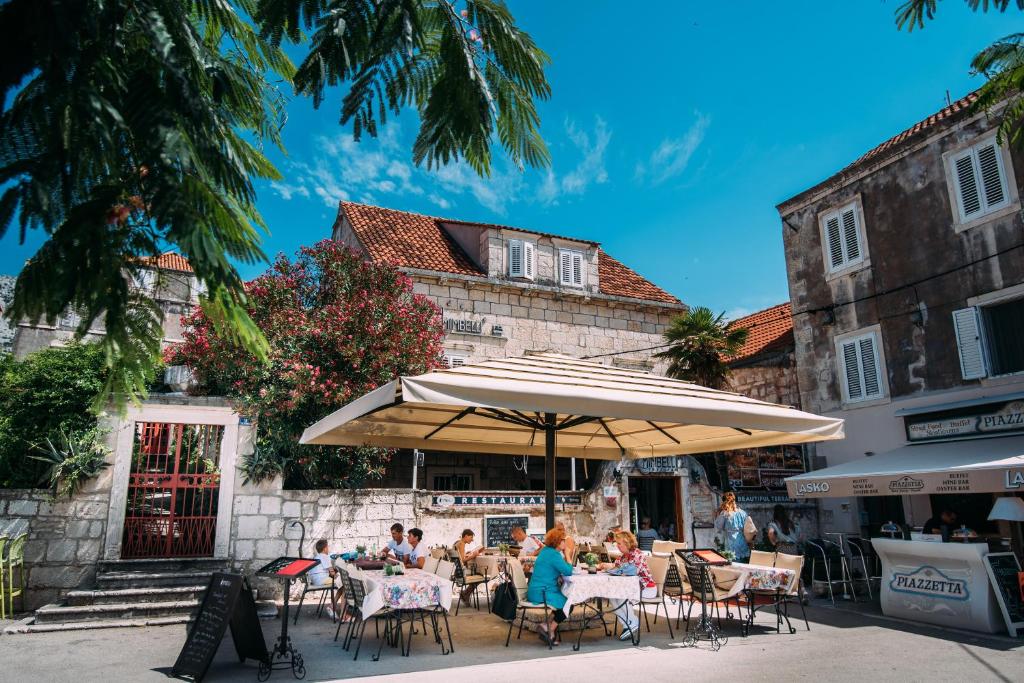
x=325, y=574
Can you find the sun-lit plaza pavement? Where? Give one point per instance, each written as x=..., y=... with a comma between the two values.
x=841, y=645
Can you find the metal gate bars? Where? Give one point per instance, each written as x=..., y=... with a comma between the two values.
x=172, y=491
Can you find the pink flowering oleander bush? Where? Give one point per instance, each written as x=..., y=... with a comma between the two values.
x=338, y=327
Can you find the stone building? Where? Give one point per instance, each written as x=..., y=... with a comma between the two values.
x=906, y=276
x=6, y=328
x=167, y=278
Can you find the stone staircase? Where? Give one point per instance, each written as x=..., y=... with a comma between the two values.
x=129, y=593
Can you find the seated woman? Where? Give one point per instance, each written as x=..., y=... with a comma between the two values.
x=633, y=562
x=468, y=550
x=418, y=552
x=569, y=552
x=543, y=587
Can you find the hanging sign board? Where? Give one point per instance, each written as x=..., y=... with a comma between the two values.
x=1005, y=576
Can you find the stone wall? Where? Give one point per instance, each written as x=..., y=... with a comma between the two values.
x=773, y=381
x=65, y=538
x=6, y=296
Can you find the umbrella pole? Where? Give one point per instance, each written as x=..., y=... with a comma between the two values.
x=550, y=472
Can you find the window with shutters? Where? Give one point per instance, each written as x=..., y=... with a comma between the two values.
x=990, y=339
x=979, y=181
x=842, y=238
x=522, y=258
x=861, y=367
x=570, y=267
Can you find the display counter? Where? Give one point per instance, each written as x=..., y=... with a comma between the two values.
x=938, y=583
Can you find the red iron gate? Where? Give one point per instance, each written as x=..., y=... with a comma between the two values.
x=172, y=491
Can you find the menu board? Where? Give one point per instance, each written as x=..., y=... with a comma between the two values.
x=228, y=601
x=1005, y=576
x=764, y=467
x=498, y=528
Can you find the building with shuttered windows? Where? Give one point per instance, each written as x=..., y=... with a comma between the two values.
x=906, y=276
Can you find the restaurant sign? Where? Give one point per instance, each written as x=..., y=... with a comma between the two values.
x=931, y=582
x=501, y=500
x=993, y=418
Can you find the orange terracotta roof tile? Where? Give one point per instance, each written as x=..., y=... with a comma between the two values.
x=891, y=147
x=770, y=330
x=413, y=240
x=168, y=260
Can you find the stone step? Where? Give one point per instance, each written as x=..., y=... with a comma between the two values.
x=126, y=595
x=93, y=624
x=57, y=614
x=161, y=565
x=114, y=580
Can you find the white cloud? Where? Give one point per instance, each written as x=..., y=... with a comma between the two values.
x=589, y=170
x=495, y=193
x=672, y=156
x=289, y=190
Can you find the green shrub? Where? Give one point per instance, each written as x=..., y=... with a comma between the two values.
x=71, y=460
x=48, y=393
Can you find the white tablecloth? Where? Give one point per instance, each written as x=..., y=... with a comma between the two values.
x=415, y=589
x=582, y=587
x=753, y=577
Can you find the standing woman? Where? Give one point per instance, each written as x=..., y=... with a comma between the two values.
x=548, y=568
x=783, y=532
x=737, y=527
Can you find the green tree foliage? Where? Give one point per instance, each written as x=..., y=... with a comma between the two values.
x=1002, y=64
x=133, y=125
x=45, y=396
x=338, y=327
x=701, y=344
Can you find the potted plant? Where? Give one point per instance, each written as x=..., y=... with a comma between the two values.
x=503, y=549
x=591, y=560
x=361, y=551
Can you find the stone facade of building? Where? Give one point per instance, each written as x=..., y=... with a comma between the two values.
x=167, y=278
x=6, y=328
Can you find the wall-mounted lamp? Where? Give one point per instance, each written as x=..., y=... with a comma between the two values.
x=617, y=474
x=828, y=316
x=917, y=317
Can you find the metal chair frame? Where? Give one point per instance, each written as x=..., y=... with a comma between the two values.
x=459, y=581
x=857, y=554
x=703, y=589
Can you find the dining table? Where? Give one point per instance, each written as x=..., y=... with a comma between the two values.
x=407, y=595
x=753, y=581
x=598, y=594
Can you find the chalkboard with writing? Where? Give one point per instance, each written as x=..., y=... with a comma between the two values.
x=498, y=528
x=1004, y=574
x=228, y=602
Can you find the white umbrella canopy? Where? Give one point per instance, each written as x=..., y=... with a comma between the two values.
x=516, y=406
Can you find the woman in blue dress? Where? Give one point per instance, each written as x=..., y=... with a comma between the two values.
x=731, y=521
x=549, y=566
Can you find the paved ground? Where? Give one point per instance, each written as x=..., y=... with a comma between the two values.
x=841, y=646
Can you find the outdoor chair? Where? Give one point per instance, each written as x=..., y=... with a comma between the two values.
x=667, y=547
x=444, y=569
x=677, y=589
x=862, y=551
x=524, y=606
x=659, y=570
x=795, y=591
x=4, y=540
x=15, y=560
x=462, y=580
x=762, y=558
x=350, y=607
x=325, y=590
x=780, y=598
x=430, y=565
x=710, y=598
x=439, y=553
x=358, y=621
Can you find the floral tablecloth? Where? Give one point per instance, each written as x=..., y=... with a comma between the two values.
x=738, y=577
x=415, y=589
x=582, y=587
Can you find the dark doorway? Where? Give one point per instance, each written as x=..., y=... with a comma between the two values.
x=971, y=509
x=879, y=510
x=658, y=498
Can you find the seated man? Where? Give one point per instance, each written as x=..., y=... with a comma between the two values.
x=418, y=552
x=324, y=574
x=528, y=545
x=397, y=547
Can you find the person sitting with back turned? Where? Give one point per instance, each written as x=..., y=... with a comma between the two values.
x=418, y=552
x=543, y=587
x=646, y=536
x=528, y=545
x=324, y=574
x=397, y=547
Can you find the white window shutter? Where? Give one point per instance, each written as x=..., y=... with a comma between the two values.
x=869, y=366
x=835, y=243
x=967, y=185
x=967, y=325
x=565, y=267
x=851, y=236
x=992, y=178
x=515, y=258
x=529, y=259
x=851, y=367
x=577, y=269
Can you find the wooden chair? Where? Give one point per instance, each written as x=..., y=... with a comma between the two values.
x=523, y=606
x=666, y=547
x=430, y=565
x=439, y=553
x=793, y=592
x=762, y=558
x=659, y=570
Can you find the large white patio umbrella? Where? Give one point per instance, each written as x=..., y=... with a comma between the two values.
x=550, y=404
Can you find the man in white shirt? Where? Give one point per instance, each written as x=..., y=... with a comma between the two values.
x=398, y=547
x=528, y=545
x=418, y=551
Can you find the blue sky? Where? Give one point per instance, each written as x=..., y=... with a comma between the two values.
x=675, y=129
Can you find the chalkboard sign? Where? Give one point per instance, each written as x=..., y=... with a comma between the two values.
x=1004, y=574
x=498, y=528
x=228, y=602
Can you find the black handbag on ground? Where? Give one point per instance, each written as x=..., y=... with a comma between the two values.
x=505, y=601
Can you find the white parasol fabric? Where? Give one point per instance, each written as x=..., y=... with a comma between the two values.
x=508, y=406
